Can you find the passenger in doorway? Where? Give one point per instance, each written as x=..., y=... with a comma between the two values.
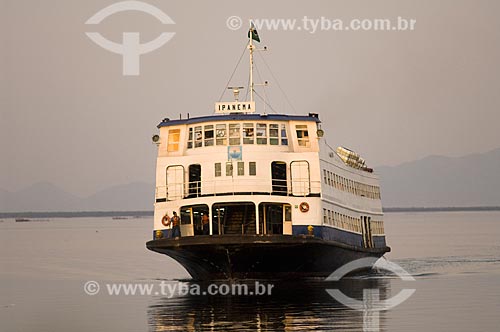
x=176, y=225
x=205, y=220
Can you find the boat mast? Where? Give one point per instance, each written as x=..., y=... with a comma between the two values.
x=251, y=48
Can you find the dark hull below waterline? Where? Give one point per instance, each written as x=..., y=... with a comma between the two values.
x=260, y=256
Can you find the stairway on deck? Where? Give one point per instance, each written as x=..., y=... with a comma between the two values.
x=237, y=216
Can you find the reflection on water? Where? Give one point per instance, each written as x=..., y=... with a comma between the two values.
x=293, y=306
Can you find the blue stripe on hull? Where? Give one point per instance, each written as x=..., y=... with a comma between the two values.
x=334, y=234
x=379, y=241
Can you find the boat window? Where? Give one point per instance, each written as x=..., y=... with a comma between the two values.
x=252, y=168
x=185, y=216
x=274, y=134
x=234, y=134
x=261, y=133
x=209, y=135
x=190, y=138
x=173, y=140
x=284, y=139
x=248, y=133
x=218, y=169
x=288, y=212
x=302, y=135
x=221, y=132
x=229, y=169
x=198, y=137
x=241, y=168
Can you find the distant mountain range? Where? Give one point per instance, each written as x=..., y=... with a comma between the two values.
x=435, y=181
x=43, y=197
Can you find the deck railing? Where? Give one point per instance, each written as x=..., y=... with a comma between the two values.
x=224, y=187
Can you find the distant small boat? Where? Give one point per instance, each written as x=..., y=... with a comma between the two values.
x=119, y=218
x=30, y=220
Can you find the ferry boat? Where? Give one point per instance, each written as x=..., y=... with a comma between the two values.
x=281, y=203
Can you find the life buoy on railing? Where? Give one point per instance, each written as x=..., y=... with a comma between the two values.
x=304, y=207
x=165, y=221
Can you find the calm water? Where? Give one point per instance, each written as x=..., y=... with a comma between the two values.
x=455, y=258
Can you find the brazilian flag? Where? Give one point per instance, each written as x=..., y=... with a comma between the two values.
x=253, y=32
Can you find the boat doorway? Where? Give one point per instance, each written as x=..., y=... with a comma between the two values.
x=275, y=218
x=278, y=176
x=191, y=219
x=194, y=180
x=367, y=232
x=234, y=218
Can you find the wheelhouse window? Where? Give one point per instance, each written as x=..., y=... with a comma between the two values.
x=198, y=137
x=261, y=133
x=302, y=135
x=274, y=134
x=231, y=134
x=284, y=139
x=234, y=134
x=218, y=169
x=190, y=138
x=173, y=140
x=209, y=135
x=248, y=133
x=221, y=132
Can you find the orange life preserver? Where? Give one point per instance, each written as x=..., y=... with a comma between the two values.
x=304, y=207
x=165, y=220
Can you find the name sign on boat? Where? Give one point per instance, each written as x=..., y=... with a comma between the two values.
x=235, y=107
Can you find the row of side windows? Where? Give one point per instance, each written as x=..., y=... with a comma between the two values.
x=235, y=133
x=340, y=220
x=353, y=187
x=240, y=169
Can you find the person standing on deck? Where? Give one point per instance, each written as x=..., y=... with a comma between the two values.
x=176, y=225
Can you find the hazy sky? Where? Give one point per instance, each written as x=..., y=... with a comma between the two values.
x=69, y=117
